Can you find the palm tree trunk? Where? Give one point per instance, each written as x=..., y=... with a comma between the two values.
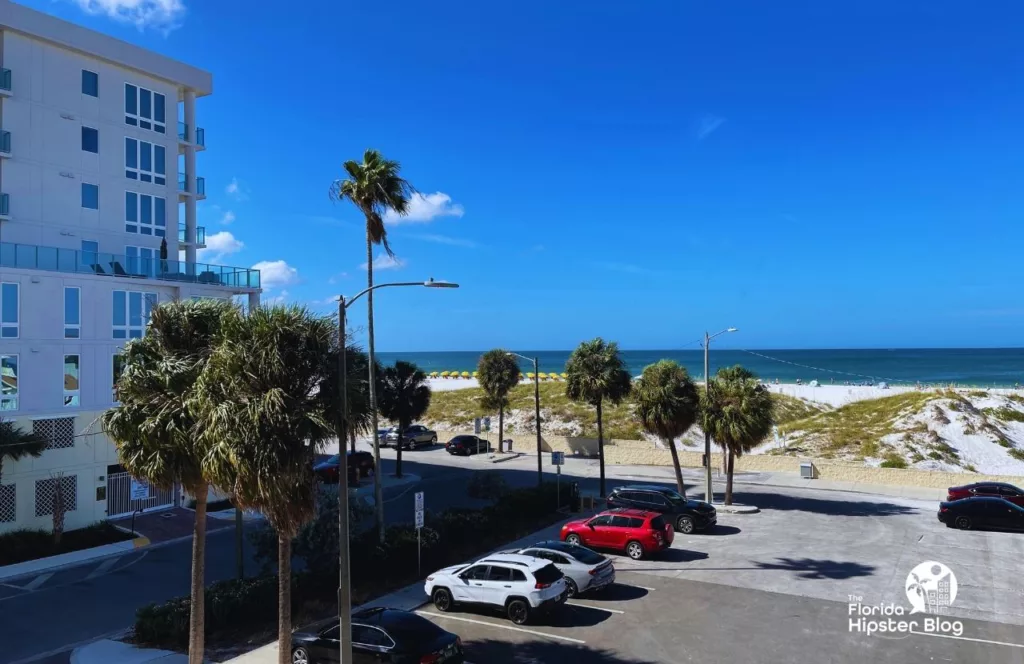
x=284, y=598
x=675, y=464
x=600, y=447
x=501, y=426
x=402, y=426
x=197, y=612
x=378, y=495
x=352, y=439
x=728, y=479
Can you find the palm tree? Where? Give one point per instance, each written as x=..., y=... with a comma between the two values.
x=740, y=415
x=153, y=429
x=17, y=444
x=667, y=405
x=498, y=373
x=375, y=187
x=596, y=373
x=267, y=409
x=404, y=397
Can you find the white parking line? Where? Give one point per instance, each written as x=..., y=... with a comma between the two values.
x=38, y=581
x=633, y=585
x=508, y=627
x=103, y=568
x=599, y=608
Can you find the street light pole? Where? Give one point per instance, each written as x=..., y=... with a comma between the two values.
x=708, y=493
x=536, y=411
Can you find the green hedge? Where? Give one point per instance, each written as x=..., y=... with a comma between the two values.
x=20, y=545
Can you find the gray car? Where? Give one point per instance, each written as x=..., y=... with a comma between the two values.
x=415, y=436
x=584, y=570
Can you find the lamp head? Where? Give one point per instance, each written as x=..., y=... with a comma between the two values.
x=430, y=283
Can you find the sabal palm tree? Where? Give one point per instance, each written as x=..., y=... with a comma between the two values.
x=375, y=187
x=266, y=408
x=667, y=405
x=594, y=374
x=404, y=398
x=153, y=428
x=498, y=372
x=740, y=415
x=16, y=444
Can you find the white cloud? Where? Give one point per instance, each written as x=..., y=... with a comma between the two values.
x=237, y=190
x=218, y=246
x=707, y=125
x=446, y=239
x=165, y=15
x=335, y=278
x=280, y=298
x=275, y=274
x=424, y=208
x=385, y=262
x=227, y=217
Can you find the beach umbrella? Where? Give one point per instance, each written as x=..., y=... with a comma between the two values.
x=475, y=374
x=542, y=376
x=433, y=374
x=530, y=375
x=444, y=374
x=563, y=376
x=520, y=376
x=465, y=374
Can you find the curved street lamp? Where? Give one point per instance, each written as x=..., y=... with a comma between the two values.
x=708, y=494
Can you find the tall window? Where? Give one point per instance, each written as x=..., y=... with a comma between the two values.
x=8, y=382
x=90, y=139
x=144, y=108
x=9, y=310
x=72, y=388
x=145, y=214
x=72, y=312
x=90, y=83
x=141, y=260
x=90, y=196
x=144, y=161
x=131, y=313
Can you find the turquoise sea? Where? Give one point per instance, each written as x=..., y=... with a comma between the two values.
x=981, y=367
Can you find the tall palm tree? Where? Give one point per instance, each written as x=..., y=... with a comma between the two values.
x=498, y=373
x=596, y=373
x=375, y=187
x=153, y=428
x=404, y=397
x=17, y=444
x=266, y=407
x=667, y=405
x=740, y=415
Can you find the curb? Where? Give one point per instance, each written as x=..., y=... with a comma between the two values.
x=71, y=558
x=736, y=509
x=507, y=457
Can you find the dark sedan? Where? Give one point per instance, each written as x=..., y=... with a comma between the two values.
x=379, y=635
x=685, y=515
x=360, y=465
x=982, y=512
x=466, y=445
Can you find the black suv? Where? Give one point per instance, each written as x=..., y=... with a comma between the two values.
x=686, y=515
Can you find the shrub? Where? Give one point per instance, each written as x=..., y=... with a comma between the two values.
x=893, y=460
x=486, y=486
x=21, y=545
x=1017, y=454
x=1007, y=414
x=1004, y=443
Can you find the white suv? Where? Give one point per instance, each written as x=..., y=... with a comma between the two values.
x=520, y=585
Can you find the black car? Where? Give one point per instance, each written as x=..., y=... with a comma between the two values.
x=466, y=445
x=686, y=515
x=982, y=512
x=379, y=635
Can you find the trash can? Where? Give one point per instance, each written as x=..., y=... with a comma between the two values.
x=508, y=444
x=574, y=496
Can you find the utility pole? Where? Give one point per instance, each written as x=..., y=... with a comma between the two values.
x=344, y=573
x=536, y=412
x=708, y=494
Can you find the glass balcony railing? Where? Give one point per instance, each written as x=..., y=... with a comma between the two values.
x=5, y=79
x=32, y=257
x=200, y=138
x=5, y=141
x=200, y=184
x=5, y=205
x=200, y=234
x=183, y=134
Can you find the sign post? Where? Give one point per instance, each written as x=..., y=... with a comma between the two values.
x=557, y=459
x=419, y=525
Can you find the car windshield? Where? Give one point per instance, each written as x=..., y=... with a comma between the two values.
x=411, y=628
x=584, y=555
x=334, y=459
x=548, y=574
x=673, y=496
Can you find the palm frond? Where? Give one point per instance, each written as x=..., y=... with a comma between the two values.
x=666, y=399
x=596, y=372
x=375, y=187
x=498, y=373
x=740, y=411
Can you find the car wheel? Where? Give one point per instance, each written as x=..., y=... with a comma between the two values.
x=442, y=600
x=573, y=540
x=518, y=611
x=963, y=523
x=300, y=656
x=684, y=525
x=570, y=588
x=635, y=550
x=433, y=441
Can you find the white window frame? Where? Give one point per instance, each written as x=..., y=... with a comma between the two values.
x=9, y=401
x=139, y=227
x=136, y=119
x=6, y=326
x=69, y=326
x=72, y=398
x=136, y=172
x=147, y=301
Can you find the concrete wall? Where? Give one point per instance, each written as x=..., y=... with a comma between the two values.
x=643, y=453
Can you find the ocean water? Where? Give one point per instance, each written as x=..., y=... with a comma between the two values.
x=981, y=367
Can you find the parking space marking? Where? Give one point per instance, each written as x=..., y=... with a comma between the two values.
x=499, y=626
x=38, y=581
x=599, y=608
x=103, y=568
x=633, y=585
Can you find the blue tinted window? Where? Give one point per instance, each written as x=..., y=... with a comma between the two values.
x=90, y=139
x=131, y=153
x=145, y=104
x=135, y=309
x=159, y=156
x=90, y=83
x=90, y=196
x=120, y=317
x=9, y=303
x=72, y=310
x=147, y=209
x=131, y=99
x=158, y=107
x=160, y=211
x=145, y=157
x=131, y=206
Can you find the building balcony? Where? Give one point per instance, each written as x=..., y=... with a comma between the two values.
x=186, y=135
x=183, y=188
x=5, y=144
x=5, y=206
x=200, y=236
x=32, y=257
x=5, y=82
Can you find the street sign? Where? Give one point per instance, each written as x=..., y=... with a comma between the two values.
x=557, y=458
x=419, y=520
x=419, y=524
x=487, y=424
x=419, y=501
x=476, y=426
x=139, y=490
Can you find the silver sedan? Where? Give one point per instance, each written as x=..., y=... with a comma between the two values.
x=584, y=570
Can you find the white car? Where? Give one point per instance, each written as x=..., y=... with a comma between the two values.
x=584, y=569
x=520, y=585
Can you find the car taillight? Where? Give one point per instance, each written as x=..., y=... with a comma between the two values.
x=593, y=572
x=943, y=509
x=432, y=658
x=658, y=537
x=430, y=578
x=541, y=586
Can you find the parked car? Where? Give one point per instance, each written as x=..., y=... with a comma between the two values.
x=982, y=512
x=360, y=465
x=413, y=437
x=379, y=635
x=637, y=532
x=466, y=445
x=584, y=570
x=686, y=515
x=521, y=586
x=991, y=489
x=383, y=432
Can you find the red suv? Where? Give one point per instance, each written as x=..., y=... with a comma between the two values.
x=991, y=489
x=637, y=532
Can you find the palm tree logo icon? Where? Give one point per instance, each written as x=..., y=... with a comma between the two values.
x=931, y=588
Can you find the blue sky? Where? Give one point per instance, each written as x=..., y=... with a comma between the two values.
x=817, y=174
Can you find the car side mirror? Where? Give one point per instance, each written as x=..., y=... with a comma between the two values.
x=590, y=525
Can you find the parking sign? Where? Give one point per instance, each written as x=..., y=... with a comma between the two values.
x=557, y=458
x=419, y=501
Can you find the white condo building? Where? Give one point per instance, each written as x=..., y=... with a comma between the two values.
x=98, y=143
